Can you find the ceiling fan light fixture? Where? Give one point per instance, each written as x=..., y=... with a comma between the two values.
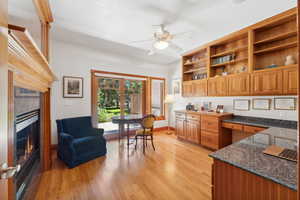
x=161, y=44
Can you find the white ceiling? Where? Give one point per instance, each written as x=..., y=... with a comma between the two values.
x=114, y=24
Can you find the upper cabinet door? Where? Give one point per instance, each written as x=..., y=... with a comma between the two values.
x=239, y=85
x=217, y=86
x=187, y=89
x=200, y=88
x=290, y=80
x=267, y=82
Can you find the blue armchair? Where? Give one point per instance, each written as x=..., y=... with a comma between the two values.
x=78, y=141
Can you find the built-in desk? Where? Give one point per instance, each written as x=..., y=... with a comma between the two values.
x=242, y=171
x=244, y=126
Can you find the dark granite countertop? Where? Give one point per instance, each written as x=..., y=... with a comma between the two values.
x=262, y=122
x=248, y=154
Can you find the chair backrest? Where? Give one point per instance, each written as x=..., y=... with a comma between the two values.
x=77, y=127
x=148, y=121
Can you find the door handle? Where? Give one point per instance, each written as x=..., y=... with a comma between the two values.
x=8, y=172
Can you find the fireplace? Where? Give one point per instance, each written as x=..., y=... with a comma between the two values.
x=27, y=139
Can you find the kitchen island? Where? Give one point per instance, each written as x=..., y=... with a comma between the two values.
x=242, y=171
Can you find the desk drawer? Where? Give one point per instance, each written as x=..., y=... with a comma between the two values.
x=232, y=126
x=253, y=129
x=193, y=117
x=210, y=124
x=210, y=140
x=180, y=115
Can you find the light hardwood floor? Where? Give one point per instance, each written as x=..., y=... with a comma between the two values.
x=175, y=171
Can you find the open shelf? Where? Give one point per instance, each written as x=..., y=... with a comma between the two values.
x=279, y=67
x=229, y=62
x=194, y=70
x=277, y=37
x=229, y=51
x=279, y=47
x=202, y=60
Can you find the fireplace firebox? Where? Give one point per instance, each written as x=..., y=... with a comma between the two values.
x=27, y=139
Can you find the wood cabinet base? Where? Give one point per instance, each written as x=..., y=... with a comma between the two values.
x=232, y=183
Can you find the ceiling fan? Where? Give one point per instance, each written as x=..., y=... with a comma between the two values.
x=161, y=40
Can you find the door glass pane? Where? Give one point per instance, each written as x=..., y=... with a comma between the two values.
x=108, y=103
x=133, y=99
x=157, y=106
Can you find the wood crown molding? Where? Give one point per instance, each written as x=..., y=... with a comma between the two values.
x=31, y=67
x=43, y=10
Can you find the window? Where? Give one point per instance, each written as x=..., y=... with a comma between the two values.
x=157, y=97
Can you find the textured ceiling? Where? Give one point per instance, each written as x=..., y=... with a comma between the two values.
x=116, y=23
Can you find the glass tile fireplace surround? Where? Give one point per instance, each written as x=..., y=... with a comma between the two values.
x=27, y=138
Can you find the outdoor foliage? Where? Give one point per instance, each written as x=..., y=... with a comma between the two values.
x=109, y=98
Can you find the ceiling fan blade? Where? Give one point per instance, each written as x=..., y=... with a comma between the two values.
x=141, y=41
x=175, y=47
x=182, y=34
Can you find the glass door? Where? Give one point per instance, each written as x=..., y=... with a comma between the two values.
x=118, y=96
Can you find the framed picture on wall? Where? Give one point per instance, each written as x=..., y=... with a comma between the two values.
x=261, y=104
x=241, y=104
x=72, y=87
x=176, y=87
x=285, y=103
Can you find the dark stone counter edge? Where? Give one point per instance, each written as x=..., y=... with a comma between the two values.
x=293, y=187
x=258, y=124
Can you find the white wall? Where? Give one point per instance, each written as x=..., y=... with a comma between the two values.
x=75, y=60
x=181, y=102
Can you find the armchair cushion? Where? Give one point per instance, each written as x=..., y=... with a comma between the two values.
x=85, y=144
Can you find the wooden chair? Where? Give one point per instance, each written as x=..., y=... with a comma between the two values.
x=146, y=133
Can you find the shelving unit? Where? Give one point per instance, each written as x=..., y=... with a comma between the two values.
x=229, y=56
x=195, y=65
x=274, y=42
x=253, y=59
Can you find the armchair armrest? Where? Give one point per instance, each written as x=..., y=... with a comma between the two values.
x=66, y=148
x=66, y=139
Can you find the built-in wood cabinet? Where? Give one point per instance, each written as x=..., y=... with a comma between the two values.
x=217, y=86
x=233, y=183
x=187, y=89
x=203, y=128
x=188, y=127
x=249, y=62
x=199, y=88
x=192, y=131
x=290, y=80
x=213, y=136
x=239, y=85
x=267, y=82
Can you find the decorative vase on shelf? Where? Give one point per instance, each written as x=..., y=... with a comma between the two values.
x=289, y=60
